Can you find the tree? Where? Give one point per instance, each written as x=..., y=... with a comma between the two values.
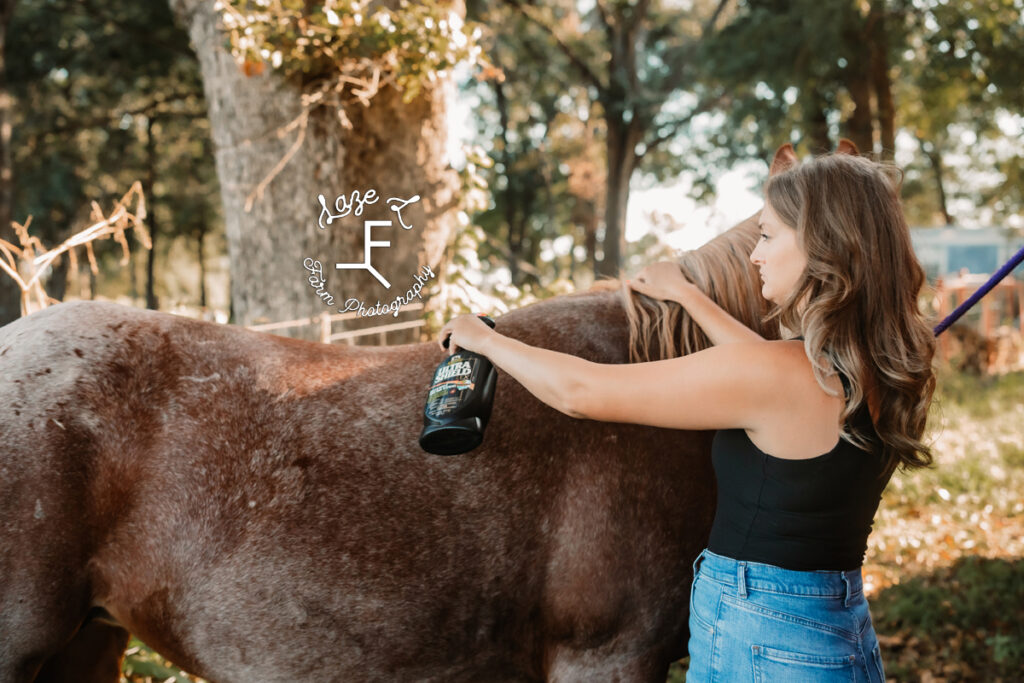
x=10, y=301
x=961, y=79
x=285, y=133
x=942, y=72
x=541, y=152
x=99, y=108
x=808, y=71
x=633, y=60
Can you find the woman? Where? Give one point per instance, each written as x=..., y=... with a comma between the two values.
x=804, y=447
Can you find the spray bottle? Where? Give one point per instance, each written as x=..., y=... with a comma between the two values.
x=459, y=402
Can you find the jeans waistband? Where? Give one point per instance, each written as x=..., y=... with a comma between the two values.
x=745, y=575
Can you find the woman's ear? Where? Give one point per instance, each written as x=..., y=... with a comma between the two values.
x=785, y=157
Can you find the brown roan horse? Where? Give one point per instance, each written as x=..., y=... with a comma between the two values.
x=257, y=508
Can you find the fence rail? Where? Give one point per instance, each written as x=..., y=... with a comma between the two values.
x=989, y=345
x=1005, y=300
x=326, y=322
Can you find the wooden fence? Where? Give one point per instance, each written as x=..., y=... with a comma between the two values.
x=1004, y=302
x=326, y=321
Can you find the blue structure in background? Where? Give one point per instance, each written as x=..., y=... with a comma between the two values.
x=946, y=251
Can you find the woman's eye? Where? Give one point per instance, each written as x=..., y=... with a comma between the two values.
x=764, y=236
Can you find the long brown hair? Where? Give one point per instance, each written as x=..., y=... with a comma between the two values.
x=861, y=288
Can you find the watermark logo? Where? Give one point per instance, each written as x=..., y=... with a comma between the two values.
x=316, y=280
x=353, y=205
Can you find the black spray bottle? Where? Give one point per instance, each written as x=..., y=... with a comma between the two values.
x=459, y=402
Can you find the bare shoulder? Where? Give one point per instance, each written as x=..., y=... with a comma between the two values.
x=775, y=359
x=793, y=371
x=773, y=371
x=762, y=360
x=803, y=421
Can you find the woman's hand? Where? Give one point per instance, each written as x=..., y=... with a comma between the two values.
x=467, y=333
x=662, y=280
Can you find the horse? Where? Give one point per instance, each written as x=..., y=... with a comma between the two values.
x=255, y=507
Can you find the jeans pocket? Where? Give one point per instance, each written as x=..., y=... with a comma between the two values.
x=876, y=657
x=771, y=611
x=772, y=665
x=696, y=619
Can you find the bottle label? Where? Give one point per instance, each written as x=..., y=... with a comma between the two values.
x=452, y=385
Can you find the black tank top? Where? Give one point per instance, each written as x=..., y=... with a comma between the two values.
x=796, y=514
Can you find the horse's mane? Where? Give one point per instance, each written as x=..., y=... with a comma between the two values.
x=721, y=268
x=588, y=323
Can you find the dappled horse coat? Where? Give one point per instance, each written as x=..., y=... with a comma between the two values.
x=257, y=508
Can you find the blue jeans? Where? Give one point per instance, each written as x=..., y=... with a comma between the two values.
x=757, y=622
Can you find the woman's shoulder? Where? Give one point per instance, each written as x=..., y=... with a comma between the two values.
x=839, y=381
x=775, y=349
x=788, y=352
x=803, y=421
x=791, y=373
x=783, y=367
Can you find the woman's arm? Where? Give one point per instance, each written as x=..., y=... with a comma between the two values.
x=665, y=280
x=718, y=325
x=551, y=376
x=722, y=387
x=734, y=385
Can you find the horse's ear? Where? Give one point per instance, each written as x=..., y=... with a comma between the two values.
x=785, y=157
x=847, y=147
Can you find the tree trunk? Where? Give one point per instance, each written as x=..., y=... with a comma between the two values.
x=147, y=191
x=57, y=284
x=622, y=134
x=584, y=219
x=509, y=200
x=133, y=278
x=935, y=160
x=859, y=128
x=10, y=293
x=395, y=149
x=621, y=154
x=590, y=239
x=200, y=239
x=881, y=82
x=816, y=121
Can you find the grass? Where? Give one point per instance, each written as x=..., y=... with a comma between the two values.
x=142, y=665
x=966, y=619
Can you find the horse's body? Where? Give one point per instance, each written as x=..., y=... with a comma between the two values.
x=257, y=508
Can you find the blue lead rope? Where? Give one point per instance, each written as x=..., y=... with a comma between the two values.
x=982, y=291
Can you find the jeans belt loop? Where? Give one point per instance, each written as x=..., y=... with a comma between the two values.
x=741, y=579
x=846, y=584
x=696, y=562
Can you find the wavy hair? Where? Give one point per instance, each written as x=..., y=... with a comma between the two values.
x=860, y=289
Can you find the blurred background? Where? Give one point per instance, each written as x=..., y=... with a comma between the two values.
x=551, y=144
